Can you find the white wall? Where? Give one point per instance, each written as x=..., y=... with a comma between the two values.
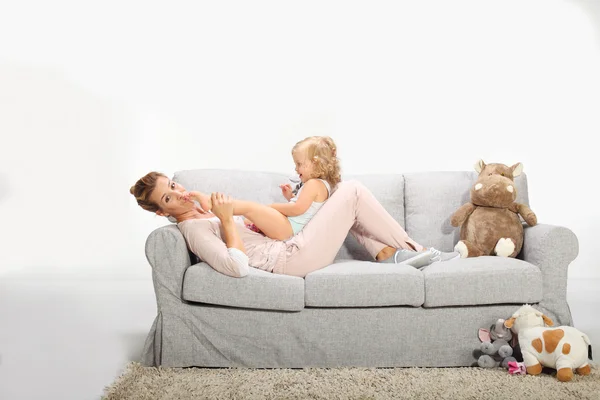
x=94, y=96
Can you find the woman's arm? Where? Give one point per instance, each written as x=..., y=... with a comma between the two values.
x=222, y=208
x=228, y=258
x=231, y=235
x=204, y=243
x=307, y=196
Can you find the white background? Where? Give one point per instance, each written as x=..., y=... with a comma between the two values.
x=95, y=94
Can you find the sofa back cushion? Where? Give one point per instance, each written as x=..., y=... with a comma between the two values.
x=261, y=187
x=432, y=197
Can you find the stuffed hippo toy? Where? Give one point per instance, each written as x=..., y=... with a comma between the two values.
x=490, y=223
x=563, y=348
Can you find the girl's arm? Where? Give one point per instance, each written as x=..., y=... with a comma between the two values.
x=307, y=196
x=287, y=192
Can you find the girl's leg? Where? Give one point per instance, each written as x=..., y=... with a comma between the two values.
x=320, y=240
x=271, y=222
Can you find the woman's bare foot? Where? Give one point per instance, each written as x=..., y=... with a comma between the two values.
x=386, y=253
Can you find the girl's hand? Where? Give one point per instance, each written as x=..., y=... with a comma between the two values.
x=222, y=206
x=286, y=191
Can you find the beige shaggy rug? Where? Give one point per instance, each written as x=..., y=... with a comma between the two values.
x=143, y=383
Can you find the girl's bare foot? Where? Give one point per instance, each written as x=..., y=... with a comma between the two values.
x=204, y=200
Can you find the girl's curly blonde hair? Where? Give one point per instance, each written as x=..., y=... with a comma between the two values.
x=322, y=151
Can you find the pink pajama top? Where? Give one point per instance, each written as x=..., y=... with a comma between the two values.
x=204, y=238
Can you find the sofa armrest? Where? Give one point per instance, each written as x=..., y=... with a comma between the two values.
x=168, y=254
x=551, y=248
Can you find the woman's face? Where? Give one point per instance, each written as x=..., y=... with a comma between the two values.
x=169, y=196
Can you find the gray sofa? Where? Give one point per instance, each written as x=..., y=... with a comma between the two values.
x=354, y=312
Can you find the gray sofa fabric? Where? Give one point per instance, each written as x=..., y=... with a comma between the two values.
x=482, y=280
x=364, y=284
x=218, y=336
x=551, y=249
x=259, y=289
x=354, y=312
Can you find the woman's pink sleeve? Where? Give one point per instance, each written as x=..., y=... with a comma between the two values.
x=203, y=242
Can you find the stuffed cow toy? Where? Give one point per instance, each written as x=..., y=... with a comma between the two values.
x=563, y=348
x=489, y=223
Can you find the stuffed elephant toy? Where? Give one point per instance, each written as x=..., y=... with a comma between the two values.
x=497, y=352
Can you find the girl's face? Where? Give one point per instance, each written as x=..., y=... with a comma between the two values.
x=170, y=198
x=304, y=166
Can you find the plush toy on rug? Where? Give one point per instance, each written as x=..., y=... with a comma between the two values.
x=563, y=348
x=490, y=223
x=495, y=346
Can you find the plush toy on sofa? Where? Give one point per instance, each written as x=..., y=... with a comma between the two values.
x=490, y=223
x=563, y=348
x=495, y=346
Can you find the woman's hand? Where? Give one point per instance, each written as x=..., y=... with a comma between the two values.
x=222, y=206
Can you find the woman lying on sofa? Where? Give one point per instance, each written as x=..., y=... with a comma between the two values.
x=224, y=242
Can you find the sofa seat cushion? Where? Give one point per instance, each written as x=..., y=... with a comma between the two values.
x=259, y=289
x=482, y=280
x=364, y=284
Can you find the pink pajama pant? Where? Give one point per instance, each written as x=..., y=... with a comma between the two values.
x=351, y=208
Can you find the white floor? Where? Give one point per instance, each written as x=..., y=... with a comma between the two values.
x=67, y=337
